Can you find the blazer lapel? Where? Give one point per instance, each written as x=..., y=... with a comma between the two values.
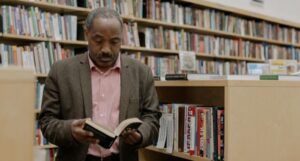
x=85, y=81
x=125, y=88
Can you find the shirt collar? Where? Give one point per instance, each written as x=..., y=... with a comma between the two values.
x=117, y=65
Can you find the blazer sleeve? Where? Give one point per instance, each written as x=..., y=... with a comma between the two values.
x=149, y=113
x=55, y=129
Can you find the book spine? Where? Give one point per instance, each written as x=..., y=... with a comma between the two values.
x=176, y=77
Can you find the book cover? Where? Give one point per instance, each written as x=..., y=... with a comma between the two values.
x=107, y=137
x=283, y=66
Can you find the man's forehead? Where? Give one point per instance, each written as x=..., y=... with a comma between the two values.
x=109, y=20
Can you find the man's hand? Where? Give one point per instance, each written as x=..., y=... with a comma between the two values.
x=131, y=136
x=81, y=135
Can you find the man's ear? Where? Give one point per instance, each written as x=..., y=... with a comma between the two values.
x=86, y=33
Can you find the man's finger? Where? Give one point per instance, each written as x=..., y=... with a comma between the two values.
x=131, y=140
x=136, y=135
x=79, y=122
x=126, y=133
x=92, y=140
x=127, y=141
x=83, y=133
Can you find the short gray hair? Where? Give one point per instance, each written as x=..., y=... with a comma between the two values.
x=103, y=13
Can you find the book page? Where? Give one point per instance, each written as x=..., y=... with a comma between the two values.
x=131, y=122
x=162, y=136
x=170, y=132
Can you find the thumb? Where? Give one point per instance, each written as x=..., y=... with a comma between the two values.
x=79, y=122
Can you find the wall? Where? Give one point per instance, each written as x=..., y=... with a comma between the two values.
x=283, y=9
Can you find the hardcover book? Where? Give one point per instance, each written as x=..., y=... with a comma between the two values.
x=107, y=137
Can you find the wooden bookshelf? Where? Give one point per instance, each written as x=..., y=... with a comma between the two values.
x=260, y=117
x=241, y=12
x=37, y=111
x=79, y=43
x=205, y=31
x=202, y=3
x=229, y=57
x=22, y=37
x=50, y=146
x=145, y=153
x=80, y=11
x=16, y=113
x=144, y=49
x=202, y=55
x=202, y=83
x=40, y=75
x=56, y=8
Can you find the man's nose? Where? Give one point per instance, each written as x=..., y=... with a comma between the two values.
x=106, y=48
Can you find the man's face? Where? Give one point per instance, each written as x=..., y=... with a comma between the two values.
x=104, y=41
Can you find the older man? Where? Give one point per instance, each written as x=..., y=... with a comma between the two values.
x=103, y=85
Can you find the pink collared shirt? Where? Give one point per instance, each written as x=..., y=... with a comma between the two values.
x=106, y=90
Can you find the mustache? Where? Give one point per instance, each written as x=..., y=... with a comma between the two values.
x=104, y=55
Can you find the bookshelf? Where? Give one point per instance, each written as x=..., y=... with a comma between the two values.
x=50, y=7
x=218, y=89
x=37, y=75
x=260, y=117
x=81, y=12
x=159, y=154
x=17, y=117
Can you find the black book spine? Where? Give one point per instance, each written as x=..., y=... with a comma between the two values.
x=104, y=140
x=176, y=77
x=222, y=137
x=215, y=132
x=144, y=9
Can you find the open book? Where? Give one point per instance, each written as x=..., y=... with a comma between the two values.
x=107, y=137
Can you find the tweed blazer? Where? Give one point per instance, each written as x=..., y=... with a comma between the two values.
x=68, y=96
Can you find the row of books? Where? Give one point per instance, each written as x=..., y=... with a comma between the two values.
x=213, y=45
x=194, y=129
x=221, y=67
x=114, y=4
x=44, y=154
x=40, y=140
x=38, y=57
x=31, y=21
x=281, y=52
x=153, y=37
x=60, y=2
x=194, y=77
x=274, y=67
x=203, y=44
x=161, y=65
x=148, y=37
x=41, y=56
x=178, y=13
x=279, y=69
x=158, y=64
x=92, y=4
x=130, y=34
x=39, y=95
x=172, y=12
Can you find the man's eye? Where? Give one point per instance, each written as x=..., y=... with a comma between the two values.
x=98, y=41
x=115, y=41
